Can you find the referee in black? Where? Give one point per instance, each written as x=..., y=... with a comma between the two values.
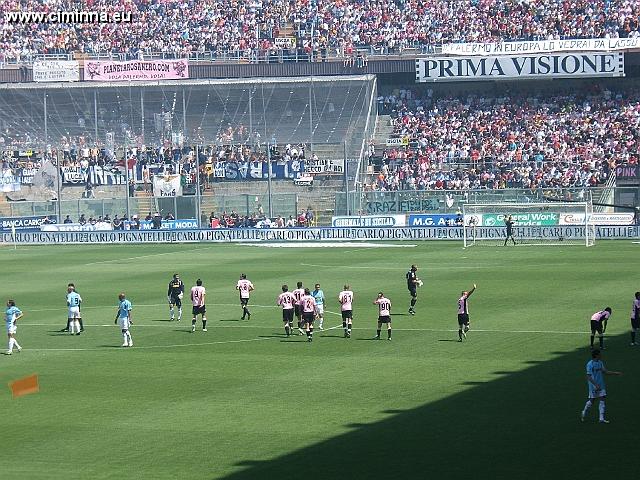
x=412, y=286
x=508, y=222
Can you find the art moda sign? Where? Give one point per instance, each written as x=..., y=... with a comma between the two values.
x=100, y=71
x=369, y=221
x=56, y=71
x=537, y=218
x=510, y=67
x=542, y=46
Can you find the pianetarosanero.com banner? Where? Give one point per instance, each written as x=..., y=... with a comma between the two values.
x=325, y=234
x=107, y=71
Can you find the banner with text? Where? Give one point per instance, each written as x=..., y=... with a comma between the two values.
x=56, y=71
x=108, y=71
x=628, y=172
x=369, y=221
x=329, y=234
x=257, y=170
x=97, y=175
x=77, y=227
x=324, y=166
x=542, y=46
x=402, y=206
x=397, y=142
x=535, y=218
x=24, y=223
x=9, y=182
x=451, y=69
x=287, y=43
x=423, y=220
x=167, y=186
x=597, y=219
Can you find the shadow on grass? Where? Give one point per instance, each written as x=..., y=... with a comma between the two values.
x=522, y=425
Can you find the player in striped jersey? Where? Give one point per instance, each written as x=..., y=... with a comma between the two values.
x=73, y=302
x=298, y=294
x=198, y=294
x=286, y=300
x=599, y=324
x=635, y=318
x=309, y=312
x=245, y=287
x=384, y=314
x=463, y=313
x=345, y=298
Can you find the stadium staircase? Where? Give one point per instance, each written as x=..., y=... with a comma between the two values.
x=605, y=195
x=145, y=203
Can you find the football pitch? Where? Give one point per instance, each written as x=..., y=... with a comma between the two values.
x=242, y=401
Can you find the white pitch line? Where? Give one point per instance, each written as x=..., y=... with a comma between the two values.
x=62, y=309
x=147, y=256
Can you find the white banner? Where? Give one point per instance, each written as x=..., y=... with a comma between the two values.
x=288, y=43
x=451, y=69
x=369, y=221
x=324, y=166
x=167, y=186
x=9, y=182
x=542, y=46
x=396, y=142
x=76, y=227
x=597, y=219
x=56, y=71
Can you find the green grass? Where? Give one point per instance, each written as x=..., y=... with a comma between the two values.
x=242, y=402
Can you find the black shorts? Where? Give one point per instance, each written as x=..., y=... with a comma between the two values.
x=176, y=301
x=244, y=301
x=347, y=314
x=463, y=319
x=384, y=319
x=308, y=317
x=596, y=327
x=413, y=291
x=635, y=323
x=199, y=310
x=287, y=315
x=296, y=309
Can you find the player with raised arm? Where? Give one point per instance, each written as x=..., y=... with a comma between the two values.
x=286, y=300
x=345, y=298
x=595, y=382
x=508, y=223
x=635, y=318
x=198, y=294
x=309, y=312
x=12, y=315
x=298, y=293
x=73, y=302
x=175, y=293
x=244, y=286
x=413, y=282
x=599, y=324
x=384, y=314
x=124, y=320
x=463, y=313
x=318, y=294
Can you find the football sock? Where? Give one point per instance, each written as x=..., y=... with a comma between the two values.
x=601, y=409
x=378, y=333
x=460, y=334
x=124, y=337
x=10, y=347
x=389, y=333
x=286, y=329
x=129, y=337
x=81, y=324
x=633, y=336
x=180, y=313
x=204, y=322
x=193, y=322
x=16, y=344
x=321, y=321
x=586, y=408
x=592, y=338
x=77, y=326
x=413, y=303
x=172, y=312
x=601, y=339
x=349, y=329
x=68, y=322
x=344, y=326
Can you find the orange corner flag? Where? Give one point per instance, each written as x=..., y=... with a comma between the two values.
x=24, y=386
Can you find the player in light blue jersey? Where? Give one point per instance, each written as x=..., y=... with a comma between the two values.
x=595, y=382
x=318, y=295
x=70, y=317
x=123, y=318
x=12, y=314
x=73, y=302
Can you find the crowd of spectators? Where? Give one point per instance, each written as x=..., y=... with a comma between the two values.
x=522, y=140
x=248, y=28
x=258, y=219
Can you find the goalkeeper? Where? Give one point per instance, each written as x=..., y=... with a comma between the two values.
x=174, y=296
x=508, y=223
x=413, y=282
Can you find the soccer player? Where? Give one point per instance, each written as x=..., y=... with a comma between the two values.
x=175, y=294
x=345, y=298
x=595, y=381
x=12, y=314
x=298, y=293
x=599, y=324
x=463, y=313
x=245, y=287
x=508, y=223
x=123, y=319
x=309, y=312
x=198, y=293
x=66, y=329
x=287, y=301
x=384, y=314
x=412, y=284
x=73, y=302
x=635, y=318
x=318, y=295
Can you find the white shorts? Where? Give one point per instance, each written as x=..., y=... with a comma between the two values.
x=320, y=309
x=11, y=330
x=124, y=323
x=74, y=312
x=596, y=394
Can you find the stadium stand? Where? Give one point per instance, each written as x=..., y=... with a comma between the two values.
x=222, y=28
